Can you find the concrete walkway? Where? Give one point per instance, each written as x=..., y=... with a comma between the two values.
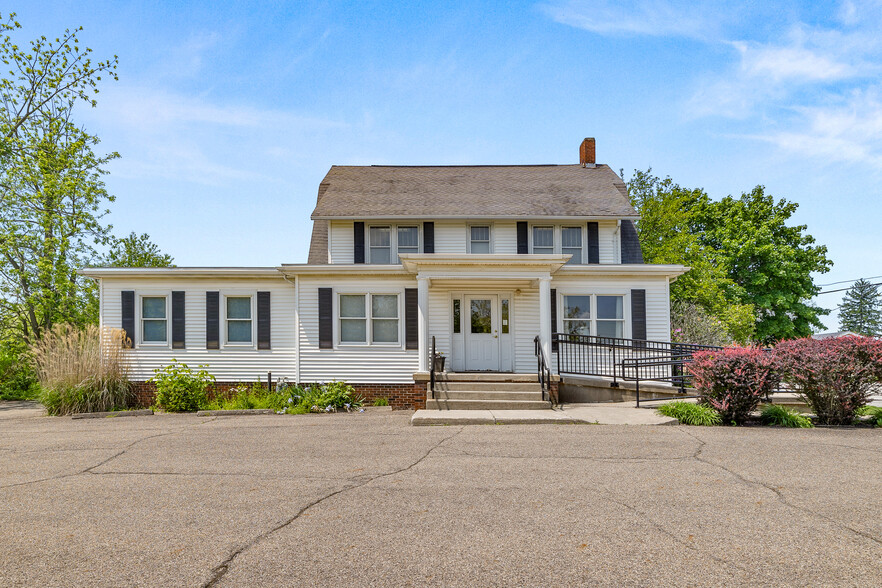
x=612, y=413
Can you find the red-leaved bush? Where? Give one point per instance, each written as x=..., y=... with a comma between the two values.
x=733, y=380
x=834, y=376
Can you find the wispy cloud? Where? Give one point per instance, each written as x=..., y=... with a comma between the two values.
x=637, y=17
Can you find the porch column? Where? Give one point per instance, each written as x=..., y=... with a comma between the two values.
x=423, y=322
x=545, y=325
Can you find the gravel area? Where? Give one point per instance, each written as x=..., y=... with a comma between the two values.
x=367, y=499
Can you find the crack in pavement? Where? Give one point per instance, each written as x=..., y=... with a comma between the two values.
x=218, y=572
x=576, y=457
x=89, y=469
x=778, y=494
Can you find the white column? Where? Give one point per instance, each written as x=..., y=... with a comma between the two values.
x=545, y=325
x=423, y=322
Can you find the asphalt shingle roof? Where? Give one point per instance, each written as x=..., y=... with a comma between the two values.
x=472, y=191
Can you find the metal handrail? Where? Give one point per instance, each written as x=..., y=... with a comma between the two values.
x=542, y=368
x=432, y=371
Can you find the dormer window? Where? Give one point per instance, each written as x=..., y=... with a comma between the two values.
x=383, y=240
x=479, y=241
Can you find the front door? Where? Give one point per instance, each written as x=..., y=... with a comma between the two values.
x=482, y=333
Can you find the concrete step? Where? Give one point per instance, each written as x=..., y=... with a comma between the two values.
x=434, y=404
x=484, y=377
x=535, y=394
x=490, y=386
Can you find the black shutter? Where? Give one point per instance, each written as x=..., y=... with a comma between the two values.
x=553, y=319
x=638, y=314
x=522, y=238
x=212, y=320
x=428, y=237
x=593, y=243
x=326, y=318
x=631, y=252
x=358, y=242
x=411, y=313
x=128, y=316
x=263, y=320
x=178, y=321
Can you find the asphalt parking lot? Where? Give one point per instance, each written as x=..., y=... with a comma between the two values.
x=366, y=499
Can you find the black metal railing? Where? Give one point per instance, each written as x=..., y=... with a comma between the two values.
x=432, y=370
x=668, y=369
x=606, y=356
x=543, y=369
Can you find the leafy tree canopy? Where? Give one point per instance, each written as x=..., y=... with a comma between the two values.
x=749, y=268
x=861, y=309
x=136, y=251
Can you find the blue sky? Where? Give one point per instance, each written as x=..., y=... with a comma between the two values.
x=228, y=114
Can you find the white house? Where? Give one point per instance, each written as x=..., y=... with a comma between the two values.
x=480, y=260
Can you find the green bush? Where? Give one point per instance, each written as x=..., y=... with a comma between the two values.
x=329, y=397
x=691, y=414
x=381, y=402
x=181, y=389
x=18, y=381
x=780, y=416
x=81, y=370
x=872, y=411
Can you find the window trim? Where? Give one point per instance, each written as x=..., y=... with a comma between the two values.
x=583, y=242
x=368, y=318
x=490, y=246
x=558, y=238
x=393, y=240
x=626, y=311
x=554, y=239
x=166, y=295
x=252, y=296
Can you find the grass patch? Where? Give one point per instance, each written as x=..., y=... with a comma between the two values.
x=32, y=392
x=872, y=411
x=244, y=397
x=381, y=402
x=691, y=414
x=780, y=416
x=329, y=397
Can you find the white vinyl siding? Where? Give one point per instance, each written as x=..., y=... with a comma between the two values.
x=228, y=364
x=450, y=237
x=341, y=242
x=608, y=240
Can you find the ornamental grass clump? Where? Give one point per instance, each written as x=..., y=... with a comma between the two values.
x=733, y=380
x=81, y=370
x=690, y=414
x=779, y=416
x=834, y=376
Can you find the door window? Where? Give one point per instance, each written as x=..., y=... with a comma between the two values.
x=481, y=316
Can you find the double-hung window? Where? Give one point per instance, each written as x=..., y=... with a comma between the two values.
x=543, y=240
x=603, y=316
x=610, y=316
x=369, y=317
x=238, y=317
x=479, y=239
x=571, y=243
x=408, y=240
x=381, y=245
x=154, y=319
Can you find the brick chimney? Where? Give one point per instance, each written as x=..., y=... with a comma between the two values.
x=586, y=152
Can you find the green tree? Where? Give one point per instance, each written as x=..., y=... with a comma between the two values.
x=668, y=229
x=52, y=194
x=861, y=309
x=770, y=262
x=136, y=251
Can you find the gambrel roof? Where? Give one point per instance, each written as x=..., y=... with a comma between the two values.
x=489, y=191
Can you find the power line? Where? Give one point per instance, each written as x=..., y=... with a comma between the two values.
x=844, y=289
x=848, y=281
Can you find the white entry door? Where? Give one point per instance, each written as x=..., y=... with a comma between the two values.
x=482, y=333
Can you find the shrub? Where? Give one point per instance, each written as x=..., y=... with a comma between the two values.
x=381, y=402
x=329, y=397
x=780, y=416
x=872, y=411
x=733, y=380
x=18, y=380
x=244, y=397
x=834, y=376
x=691, y=414
x=81, y=370
x=181, y=389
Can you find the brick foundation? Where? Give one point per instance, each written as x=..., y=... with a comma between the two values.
x=400, y=396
